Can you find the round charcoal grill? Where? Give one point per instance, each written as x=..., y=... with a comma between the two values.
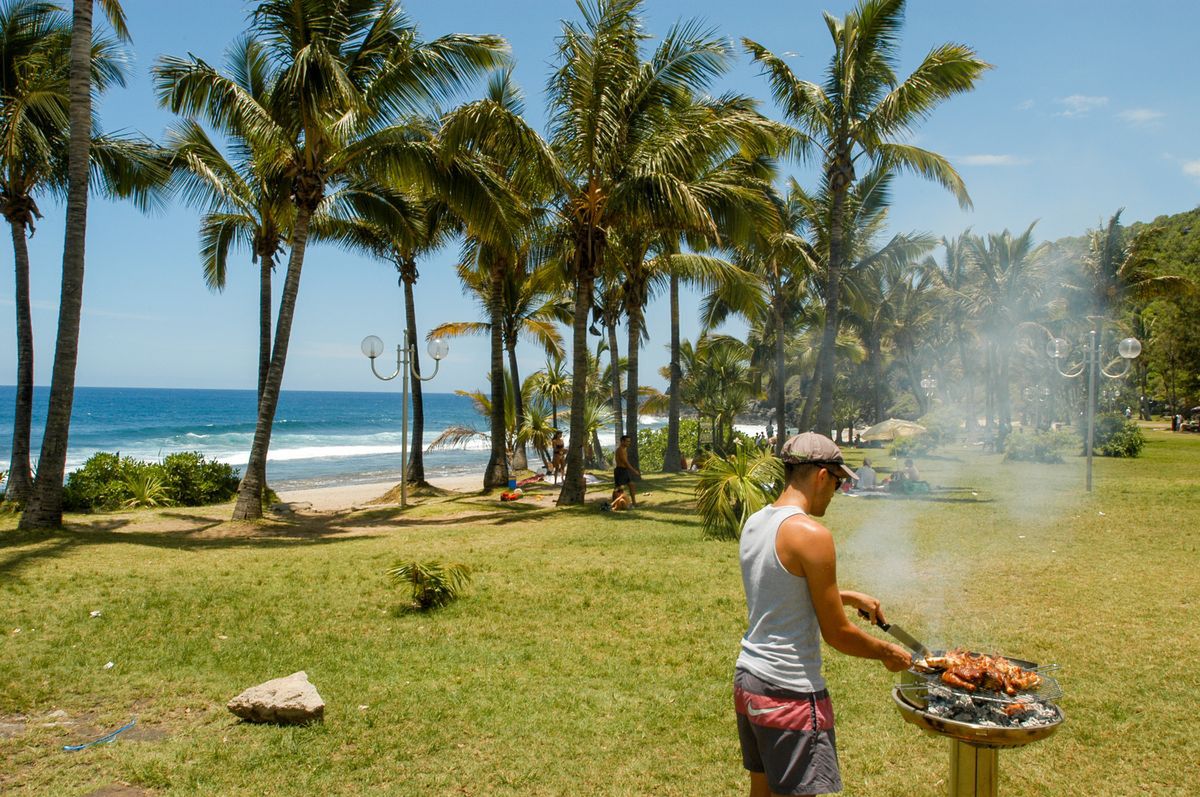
x=975, y=743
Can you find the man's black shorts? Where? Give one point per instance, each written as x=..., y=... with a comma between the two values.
x=787, y=735
x=623, y=476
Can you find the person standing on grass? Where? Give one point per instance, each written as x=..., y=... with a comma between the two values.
x=789, y=571
x=623, y=473
x=558, y=460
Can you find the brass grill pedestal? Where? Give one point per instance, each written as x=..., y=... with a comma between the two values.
x=974, y=749
x=974, y=770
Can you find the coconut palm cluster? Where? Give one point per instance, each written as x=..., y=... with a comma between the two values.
x=339, y=122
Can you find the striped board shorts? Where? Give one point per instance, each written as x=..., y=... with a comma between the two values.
x=787, y=735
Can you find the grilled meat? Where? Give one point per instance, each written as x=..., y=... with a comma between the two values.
x=970, y=671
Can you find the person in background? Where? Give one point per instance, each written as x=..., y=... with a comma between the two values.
x=910, y=472
x=624, y=472
x=558, y=460
x=619, y=502
x=789, y=573
x=867, y=478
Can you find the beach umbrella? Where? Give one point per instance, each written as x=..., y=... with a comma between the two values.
x=893, y=428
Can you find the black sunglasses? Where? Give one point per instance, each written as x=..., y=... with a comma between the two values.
x=838, y=477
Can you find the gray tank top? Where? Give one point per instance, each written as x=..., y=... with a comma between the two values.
x=782, y=644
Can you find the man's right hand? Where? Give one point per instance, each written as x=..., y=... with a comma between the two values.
x=896, y=658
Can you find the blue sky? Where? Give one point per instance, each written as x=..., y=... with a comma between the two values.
x=1090, y=108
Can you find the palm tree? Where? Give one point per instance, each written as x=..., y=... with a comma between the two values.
x=246, y=205
x=493, y=131
x=1008, y=295
x=44, y=508
x=606, y=103
x=34, y=108
x=954, y=276
x=400, y=228
x=532, y=307
x=553, y=385
x=773, y=295
x=342, y=71
x=714, y=146
x=860, y=114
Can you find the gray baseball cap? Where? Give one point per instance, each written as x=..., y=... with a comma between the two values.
x=810, y=448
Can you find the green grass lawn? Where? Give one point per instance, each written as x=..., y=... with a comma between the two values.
x=593, y=653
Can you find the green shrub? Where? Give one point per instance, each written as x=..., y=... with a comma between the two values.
x=652, y=444
x=1047, y=447
x=1117, y=437
x=106, y=482
x=102, y=482
x=942, y=426
x=432, y=583
x=190, y=480
x=915, y=446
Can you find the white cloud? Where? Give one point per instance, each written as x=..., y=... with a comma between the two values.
x=1192, y=168
x=1025, y=106
x=1080, y=104
x=1141, y=116
x=992, y=160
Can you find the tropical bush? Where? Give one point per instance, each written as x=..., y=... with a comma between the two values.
x=652, y=444
x=109, y=481
x=1048, y=447
x=942, y=426
x=1115, y=436
x=190, y=480
x=915, y=446
x=432, y=583
x=733, y=488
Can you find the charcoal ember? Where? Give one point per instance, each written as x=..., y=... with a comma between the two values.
x=985, y=710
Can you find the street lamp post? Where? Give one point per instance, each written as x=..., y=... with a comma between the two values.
x=372, y=346
x=1059, y=349
x=929, y=387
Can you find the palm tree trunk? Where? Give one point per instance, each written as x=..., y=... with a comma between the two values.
x=780, y=373
x=416, y=456
x=20, y=474
x=810, y=401
x=827, y=362
x=574, y=489
x=634, y=315
x=968, y=387
x=614, y=359
x=266, y=265
x=672, y=459
x=1004, y=396
x=496, y=474
x=875, y=354
x=520, y=458
x=44, y=509
x=249, y=499
x=989, y=391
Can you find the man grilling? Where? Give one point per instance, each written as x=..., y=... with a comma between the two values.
x=789, y=571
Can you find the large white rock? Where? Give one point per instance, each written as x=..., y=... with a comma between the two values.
x=290, y=700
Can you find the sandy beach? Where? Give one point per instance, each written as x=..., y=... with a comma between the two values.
x=330, y=499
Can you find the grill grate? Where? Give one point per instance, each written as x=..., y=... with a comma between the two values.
x=1048, y=691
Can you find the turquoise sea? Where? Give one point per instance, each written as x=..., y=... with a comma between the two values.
x=319, y=439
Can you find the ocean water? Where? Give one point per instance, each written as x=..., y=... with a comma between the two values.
x=319, y=438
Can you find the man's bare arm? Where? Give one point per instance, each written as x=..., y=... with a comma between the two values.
x=806, y=549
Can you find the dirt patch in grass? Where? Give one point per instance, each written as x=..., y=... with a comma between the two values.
x=118, y=790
